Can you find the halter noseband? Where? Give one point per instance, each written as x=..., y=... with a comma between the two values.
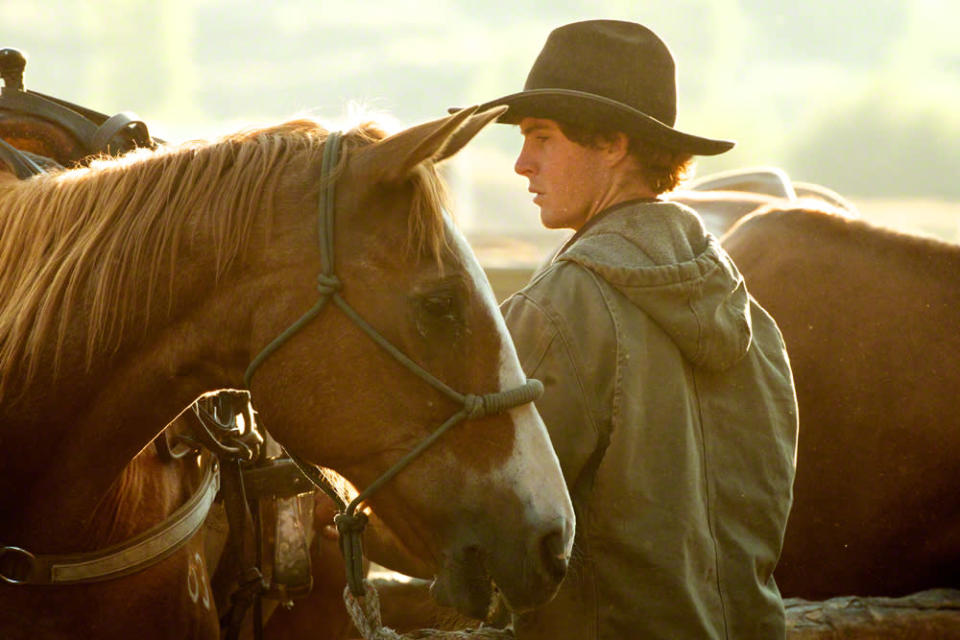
x=349, y=522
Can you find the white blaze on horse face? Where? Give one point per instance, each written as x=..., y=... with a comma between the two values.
x=534, y=462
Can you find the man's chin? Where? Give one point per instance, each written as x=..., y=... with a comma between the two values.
x=549, y=220
x=552, y=219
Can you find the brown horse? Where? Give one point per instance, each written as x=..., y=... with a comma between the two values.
x=135, y=285
x=870, y=317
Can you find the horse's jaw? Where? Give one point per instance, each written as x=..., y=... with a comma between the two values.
x=515, y=532
x=463, y=583
x=468, y=576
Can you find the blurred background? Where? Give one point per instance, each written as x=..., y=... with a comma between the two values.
x=858, y=96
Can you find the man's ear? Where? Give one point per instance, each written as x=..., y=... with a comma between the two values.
x=616, y=147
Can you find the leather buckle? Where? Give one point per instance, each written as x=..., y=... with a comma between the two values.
x=17, y=565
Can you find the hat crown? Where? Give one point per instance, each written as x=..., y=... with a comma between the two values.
x=621, y=61
x=616, y=75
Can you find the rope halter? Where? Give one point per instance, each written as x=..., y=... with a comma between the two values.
x=350, y=523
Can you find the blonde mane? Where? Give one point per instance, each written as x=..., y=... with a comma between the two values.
x=84, y=241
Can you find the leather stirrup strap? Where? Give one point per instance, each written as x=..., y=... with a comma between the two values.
x=23, y=166
x=118, y=123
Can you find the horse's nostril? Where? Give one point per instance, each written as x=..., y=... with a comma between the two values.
x=553, y=555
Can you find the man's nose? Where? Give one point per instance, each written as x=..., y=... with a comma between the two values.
x=523, y=165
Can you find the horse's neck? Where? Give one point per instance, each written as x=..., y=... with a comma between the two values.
x=94, y=423
x=146, y=491
x=73, y=469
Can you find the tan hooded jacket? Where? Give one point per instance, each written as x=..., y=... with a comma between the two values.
x=670, y=402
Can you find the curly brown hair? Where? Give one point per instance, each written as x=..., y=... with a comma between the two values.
x=661, y=168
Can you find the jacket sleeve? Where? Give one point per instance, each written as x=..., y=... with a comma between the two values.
x=545, y=345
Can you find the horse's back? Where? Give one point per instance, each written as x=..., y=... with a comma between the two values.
x=869, y=317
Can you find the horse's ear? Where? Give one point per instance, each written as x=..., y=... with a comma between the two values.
x=467, y=131
x=393, y=159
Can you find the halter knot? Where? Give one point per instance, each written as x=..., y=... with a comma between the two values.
x=494, y=403
x=350, y=526
x=328, y=285
x=475, y=406
x=350, y=522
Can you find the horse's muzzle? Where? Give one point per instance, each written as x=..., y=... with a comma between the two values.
x=554, y=556
x=525, y=577
x=531, y=580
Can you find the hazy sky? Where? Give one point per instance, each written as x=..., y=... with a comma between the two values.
x=858, y=95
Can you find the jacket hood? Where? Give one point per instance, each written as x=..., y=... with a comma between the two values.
x=660, y=257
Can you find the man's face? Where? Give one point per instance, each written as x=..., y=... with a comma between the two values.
x=570, y=181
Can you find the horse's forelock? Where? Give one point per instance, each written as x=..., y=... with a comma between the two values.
x=426, y=231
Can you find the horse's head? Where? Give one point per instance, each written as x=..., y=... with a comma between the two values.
x=486, y=500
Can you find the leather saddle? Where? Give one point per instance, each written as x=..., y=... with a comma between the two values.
x=39, y=132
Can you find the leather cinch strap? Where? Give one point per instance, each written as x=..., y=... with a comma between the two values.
x=19, y=566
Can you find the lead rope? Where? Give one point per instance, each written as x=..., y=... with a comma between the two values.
x=365, y=612
x=350, y=522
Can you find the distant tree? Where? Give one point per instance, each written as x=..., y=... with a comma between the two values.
x=872, y=149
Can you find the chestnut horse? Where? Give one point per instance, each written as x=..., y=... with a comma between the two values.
x=871, y=320
x=133, y=286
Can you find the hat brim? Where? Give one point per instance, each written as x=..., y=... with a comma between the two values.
x=573, y=106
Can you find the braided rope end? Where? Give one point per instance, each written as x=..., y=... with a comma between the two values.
x=365, y=612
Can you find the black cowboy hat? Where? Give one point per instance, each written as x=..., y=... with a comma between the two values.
x=607, y=71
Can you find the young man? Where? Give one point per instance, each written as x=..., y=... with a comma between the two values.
x=669, y=396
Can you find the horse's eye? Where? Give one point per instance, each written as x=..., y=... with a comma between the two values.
x=438, y=305
x=439, y=311
x=439, y=314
